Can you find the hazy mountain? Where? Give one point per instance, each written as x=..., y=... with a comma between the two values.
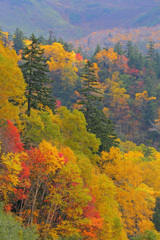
x=72, y=19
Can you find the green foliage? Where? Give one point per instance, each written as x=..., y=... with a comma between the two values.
x=11, y=229
x=97, y=122
x=91, y=96
x=104, y=130
x=97, y=49
x=34, y=68
x=148, y=235
x=18, y=38
x=156, y=215
x=67, y=46
x=75, y=236
x=118, y=48
x=151, y=50
x=134, y=56
x=73, y=188
x=40, y=125
x=74, y=132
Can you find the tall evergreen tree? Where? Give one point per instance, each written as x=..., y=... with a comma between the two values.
x=130, y=54
x=91, y=99
x=42, y=40
x=151, y=51
x=91, y=96
x=18, y=38
x=97, y=49
x=156, y=215
x=34, y=68
x=118, y=48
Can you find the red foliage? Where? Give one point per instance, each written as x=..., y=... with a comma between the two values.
x=8, y=207
x=133, y=71
x=14, y=137
x=61, y=155
x=74, y=184
x=24, y=176
x=79, y=57
x=10, y=138
x=58, y=104
x=122, y=63
x=144, y=70
x=25, y=171
x=36, y=161
x=22, y=190
x=96, y=222
x=20, y=193
x=89, y=211
x=140, y=84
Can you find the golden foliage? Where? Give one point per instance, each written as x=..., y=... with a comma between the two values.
x=12, y=85
x=136, y=200
x=58, y=57
x=106, y=57
x=11, y=167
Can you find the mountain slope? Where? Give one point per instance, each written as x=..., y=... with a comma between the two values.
x=72, y=19
x=32, y=16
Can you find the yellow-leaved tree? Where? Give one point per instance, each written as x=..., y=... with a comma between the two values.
x=61, y=62
x=106, y=58
x=103, y=192
x=136, y=199
x=58, y=56
x=12, y=85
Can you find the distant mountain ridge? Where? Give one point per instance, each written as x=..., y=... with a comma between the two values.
x=71, y=19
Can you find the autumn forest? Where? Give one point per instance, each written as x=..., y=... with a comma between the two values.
x=79, y=140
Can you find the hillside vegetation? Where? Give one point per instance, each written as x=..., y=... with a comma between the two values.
x=74, y=19
x=79, y=141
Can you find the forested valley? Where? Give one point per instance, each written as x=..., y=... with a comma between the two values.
x=79, y=140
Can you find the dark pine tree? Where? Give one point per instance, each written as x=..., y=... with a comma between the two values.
x=118, y=48
x=18, y=38
x=156, y=215
x=97, y=49
x=151, y=51
x=91, y=99
x=35, y=72
x=130, y=54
